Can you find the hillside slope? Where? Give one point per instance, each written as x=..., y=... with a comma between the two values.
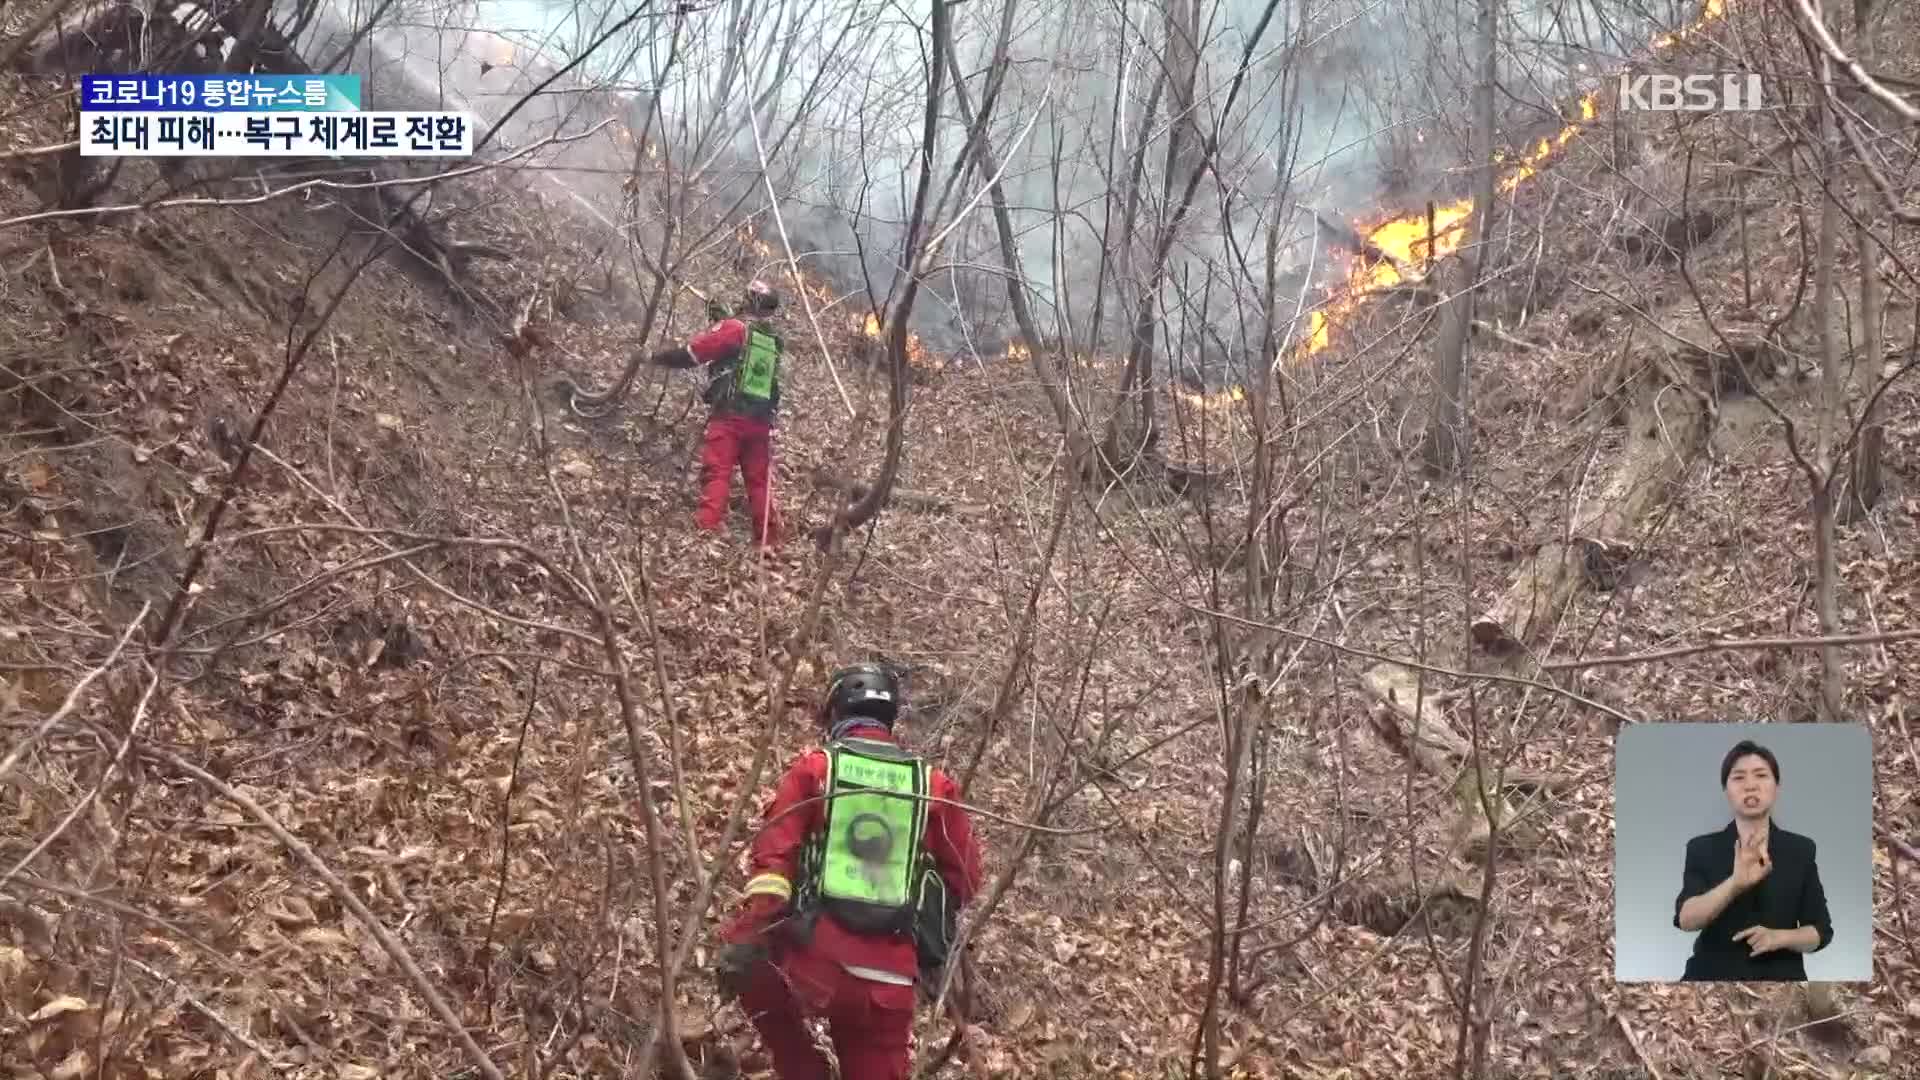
x=382, y=653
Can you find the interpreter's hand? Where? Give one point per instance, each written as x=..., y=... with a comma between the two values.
x=1762, y=939
x=1751, y=863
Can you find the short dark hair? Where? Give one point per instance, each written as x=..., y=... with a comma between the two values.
x=1746, y=748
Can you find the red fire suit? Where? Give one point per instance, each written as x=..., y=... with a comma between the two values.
x=735, y=436
x=870, y=1021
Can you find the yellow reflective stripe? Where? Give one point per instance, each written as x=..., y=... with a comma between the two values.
x=773, y=884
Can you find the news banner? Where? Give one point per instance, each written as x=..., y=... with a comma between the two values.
x=256, y=116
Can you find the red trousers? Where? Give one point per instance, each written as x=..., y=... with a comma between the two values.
x=748, y=443
x=870, y=1023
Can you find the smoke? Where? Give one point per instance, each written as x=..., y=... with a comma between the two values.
x=1354, y=111
x=1357, y=112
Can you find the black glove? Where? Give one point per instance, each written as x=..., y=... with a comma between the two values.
x=677, y=357
x=735, y=967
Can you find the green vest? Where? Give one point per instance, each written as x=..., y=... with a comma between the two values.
x=865, y=866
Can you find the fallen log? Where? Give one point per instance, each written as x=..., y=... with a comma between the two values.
x=1444, y=901
x=1665, y=434
x=1440, y=749
x=924, y=501
x=1428, y=738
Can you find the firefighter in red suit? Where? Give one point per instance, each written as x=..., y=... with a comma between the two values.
x=743, y=394
x=845, y=872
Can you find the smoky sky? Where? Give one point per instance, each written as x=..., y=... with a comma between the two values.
x=1351, y=110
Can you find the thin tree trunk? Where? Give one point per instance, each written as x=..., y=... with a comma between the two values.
x=1207, y=150
x=1128, y=218
x=1072, y=426
x=915, y=259
x=1864, y=489
x=1240, y=711
x=1116, y=130
x=1444, y=448
x=1832, y=387
x=1184, y=142
x=1440, y=450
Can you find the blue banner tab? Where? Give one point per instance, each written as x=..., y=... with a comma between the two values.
x=219, y=93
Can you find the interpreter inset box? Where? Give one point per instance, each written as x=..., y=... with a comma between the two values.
x=1743, y=853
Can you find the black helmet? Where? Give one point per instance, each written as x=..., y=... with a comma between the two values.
x=868, y=690
x=761, y=299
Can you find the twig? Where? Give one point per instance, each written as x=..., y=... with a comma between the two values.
x=209, y=1012
x=1021, y=656
x=1012, y=148
x=1634, y=1041
x=38, y=151
x=463, y=600
x=296, y=353
x=1900, y=847
x=806, y=302
x=394, y=950
x=81, y=896
x=676, y=743
x=1774, y=1036
x=1409, y=663
x=935, y=800
x=333, y=411
x=1900, y=891
x=1525, y=346
x=1818, y=28
x=1730, y=644
x=1900, y=213
x=1873, y=617
x=590, y=597
x=73, y=695
x=133, y=728
x=506, y=834
x=1900, y=715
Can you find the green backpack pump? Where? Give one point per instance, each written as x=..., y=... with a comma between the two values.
x=869, y=866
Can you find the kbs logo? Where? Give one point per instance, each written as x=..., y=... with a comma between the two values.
x=1731, y=92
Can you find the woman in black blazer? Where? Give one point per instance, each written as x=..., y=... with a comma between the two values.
x=1752, y=889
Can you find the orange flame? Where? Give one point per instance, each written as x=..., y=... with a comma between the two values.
x=1713, y=10
x=1404, y=238
x=918, y=355
x=1214, y=402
